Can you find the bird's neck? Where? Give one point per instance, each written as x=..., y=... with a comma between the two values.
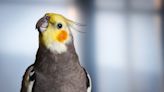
x=47, y=61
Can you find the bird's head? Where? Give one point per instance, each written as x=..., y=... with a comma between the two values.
x=54, y=32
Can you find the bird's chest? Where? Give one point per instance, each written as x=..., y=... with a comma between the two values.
x=59, y=74
x=60, y=79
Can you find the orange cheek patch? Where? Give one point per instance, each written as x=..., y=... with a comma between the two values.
x=62, y=36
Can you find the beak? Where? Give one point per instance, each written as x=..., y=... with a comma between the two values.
x=42, y=23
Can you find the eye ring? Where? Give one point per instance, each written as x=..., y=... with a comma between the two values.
x=59, y=25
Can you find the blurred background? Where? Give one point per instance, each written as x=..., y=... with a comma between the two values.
x=122, y=48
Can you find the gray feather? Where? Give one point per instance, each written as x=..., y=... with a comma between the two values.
x=59, y=72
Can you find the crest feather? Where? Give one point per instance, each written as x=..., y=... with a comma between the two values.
x=74, y=24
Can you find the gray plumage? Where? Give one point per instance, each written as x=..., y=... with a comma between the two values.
x=55, y=72
x=59, y=72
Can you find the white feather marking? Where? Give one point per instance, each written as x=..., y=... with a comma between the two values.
x=58, y=47
x=30, y=86
x=31, y=83
x=89, y=89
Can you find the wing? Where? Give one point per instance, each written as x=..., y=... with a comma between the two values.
x=88, y=82
x=28, y=79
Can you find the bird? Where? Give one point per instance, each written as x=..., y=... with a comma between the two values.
x=57, y=67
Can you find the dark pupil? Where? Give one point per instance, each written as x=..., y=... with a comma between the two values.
x=59, y=26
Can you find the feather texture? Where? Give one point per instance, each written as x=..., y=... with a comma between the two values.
x=57, y=67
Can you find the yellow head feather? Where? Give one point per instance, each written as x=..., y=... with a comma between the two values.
x=55, y=31
x=54, y=34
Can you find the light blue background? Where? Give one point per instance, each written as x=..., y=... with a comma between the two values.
x=126, y=54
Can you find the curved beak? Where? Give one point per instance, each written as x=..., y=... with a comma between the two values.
x=42, y=23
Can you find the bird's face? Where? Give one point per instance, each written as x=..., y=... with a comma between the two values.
x=54, y=32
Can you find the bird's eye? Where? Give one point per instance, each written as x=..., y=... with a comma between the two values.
x=59, y=25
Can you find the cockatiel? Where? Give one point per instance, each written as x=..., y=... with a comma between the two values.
x=57, y=67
